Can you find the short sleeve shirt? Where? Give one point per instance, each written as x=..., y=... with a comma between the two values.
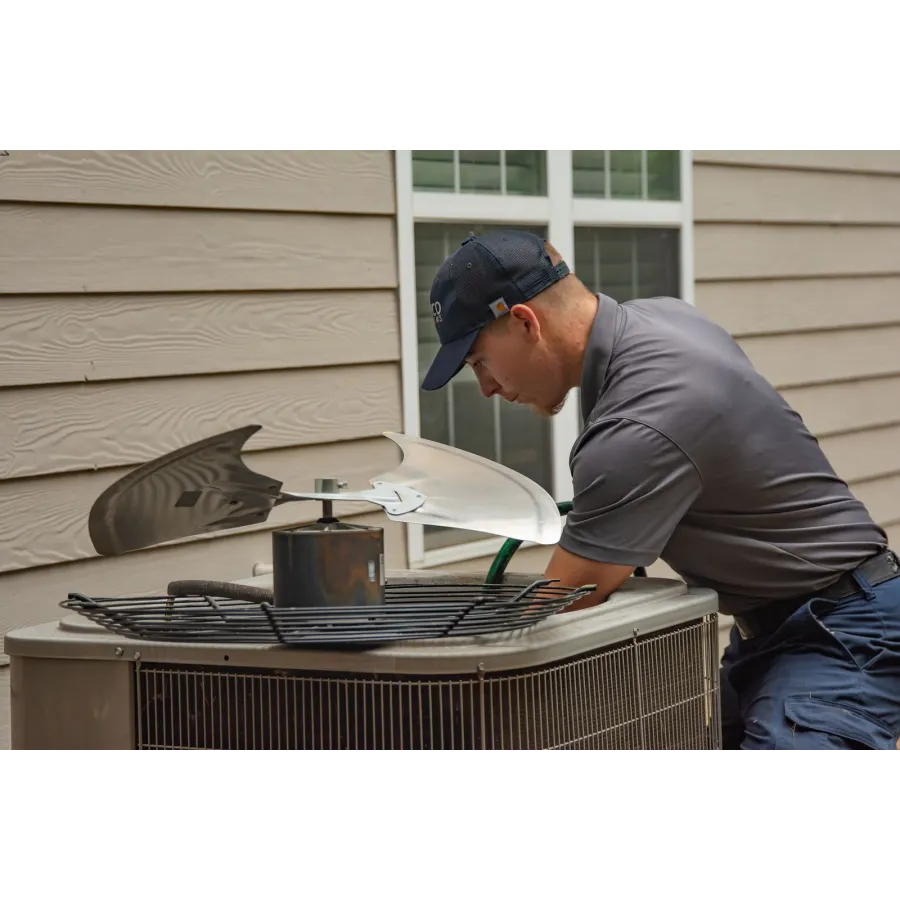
x=689, y=455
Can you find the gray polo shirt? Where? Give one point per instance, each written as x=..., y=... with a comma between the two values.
x=688, y=454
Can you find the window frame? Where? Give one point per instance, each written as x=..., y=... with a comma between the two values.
x=561, y=213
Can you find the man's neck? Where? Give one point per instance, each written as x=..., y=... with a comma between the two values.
x=574, y=337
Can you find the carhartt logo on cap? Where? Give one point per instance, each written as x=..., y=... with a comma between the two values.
x=499, y=307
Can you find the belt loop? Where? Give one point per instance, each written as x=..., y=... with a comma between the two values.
x=863, y=583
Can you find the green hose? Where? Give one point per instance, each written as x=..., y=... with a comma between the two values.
x=506, y=552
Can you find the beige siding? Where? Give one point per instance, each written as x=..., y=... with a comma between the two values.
x=150, y=299
x=797, y=253
x=855, y=161
x=812, y=357
x=114, y=336
x=748, y=308
x=105, y=249
x=841, y=406
x=731, y=194
x=114, y=423
x=729, y=251
x=349, y=181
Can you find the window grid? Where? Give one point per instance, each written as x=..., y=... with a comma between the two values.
x=535, y=168
x=616, y=172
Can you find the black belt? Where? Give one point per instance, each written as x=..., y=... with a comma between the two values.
x=767, y=619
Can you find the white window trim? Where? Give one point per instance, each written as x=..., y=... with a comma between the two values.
x=561, y=232
x=433, y=206
x=409, y=345
x=660, y=213
x=561, y=213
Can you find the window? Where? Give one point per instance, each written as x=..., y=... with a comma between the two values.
x=504, y=172
x=626, y=174
x=627, y=263
x=620, y=218
x=457, y=414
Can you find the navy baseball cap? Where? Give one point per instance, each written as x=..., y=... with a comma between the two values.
x=482, y=279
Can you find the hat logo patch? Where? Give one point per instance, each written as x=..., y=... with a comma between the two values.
x=499, y=307
x=436, y=312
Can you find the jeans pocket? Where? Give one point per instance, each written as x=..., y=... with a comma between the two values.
x=853, y=625
x=826, y=725
x=756, y=737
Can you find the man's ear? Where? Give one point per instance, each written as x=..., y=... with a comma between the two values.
x=524, y=317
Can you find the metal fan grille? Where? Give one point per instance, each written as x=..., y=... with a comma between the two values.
x=410, y=612
x=655, y=692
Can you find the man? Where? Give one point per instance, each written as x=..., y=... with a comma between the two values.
x=688, y=454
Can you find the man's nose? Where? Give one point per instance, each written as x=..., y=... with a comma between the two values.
x=488, y=386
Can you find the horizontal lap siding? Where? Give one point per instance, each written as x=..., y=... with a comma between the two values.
x=152, y=299
x=343, y=181
x=726, y=251
x=49, y=248
x=797, y=254
x=75, y=338
x=749, y=308
x=853, y=161
x=113, y=423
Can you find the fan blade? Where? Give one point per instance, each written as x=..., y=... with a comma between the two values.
x=463, y=490
x=197, y=489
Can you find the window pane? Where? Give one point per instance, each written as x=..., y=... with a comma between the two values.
x=658, y=262
x=589, y=173
x=433, y=170
x=479, y=171
x=526, y=172
x=619, y=168
x=625, y=173
x=525, y=442
x=457, y=414
x=434, y=415
x=627, y=263
x=663, y=175
x=617, y=252
x=586, y=258
x=482, y=171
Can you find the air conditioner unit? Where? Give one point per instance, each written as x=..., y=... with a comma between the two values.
x=640, y=671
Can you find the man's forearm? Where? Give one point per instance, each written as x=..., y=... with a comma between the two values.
x=575, y=571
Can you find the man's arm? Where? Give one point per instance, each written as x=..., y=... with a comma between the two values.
x=631, y=487
x=575, y=571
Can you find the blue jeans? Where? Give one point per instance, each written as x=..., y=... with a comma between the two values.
x=827, y=679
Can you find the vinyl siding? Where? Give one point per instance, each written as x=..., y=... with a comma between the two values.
x=149, y=299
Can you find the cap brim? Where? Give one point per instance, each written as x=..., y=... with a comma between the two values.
x=448, y=361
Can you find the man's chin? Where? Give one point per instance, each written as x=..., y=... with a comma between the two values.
x=547, y=412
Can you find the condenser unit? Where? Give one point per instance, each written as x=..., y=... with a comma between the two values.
x=639, y=671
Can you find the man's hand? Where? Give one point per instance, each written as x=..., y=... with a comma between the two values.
x=575, y=571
